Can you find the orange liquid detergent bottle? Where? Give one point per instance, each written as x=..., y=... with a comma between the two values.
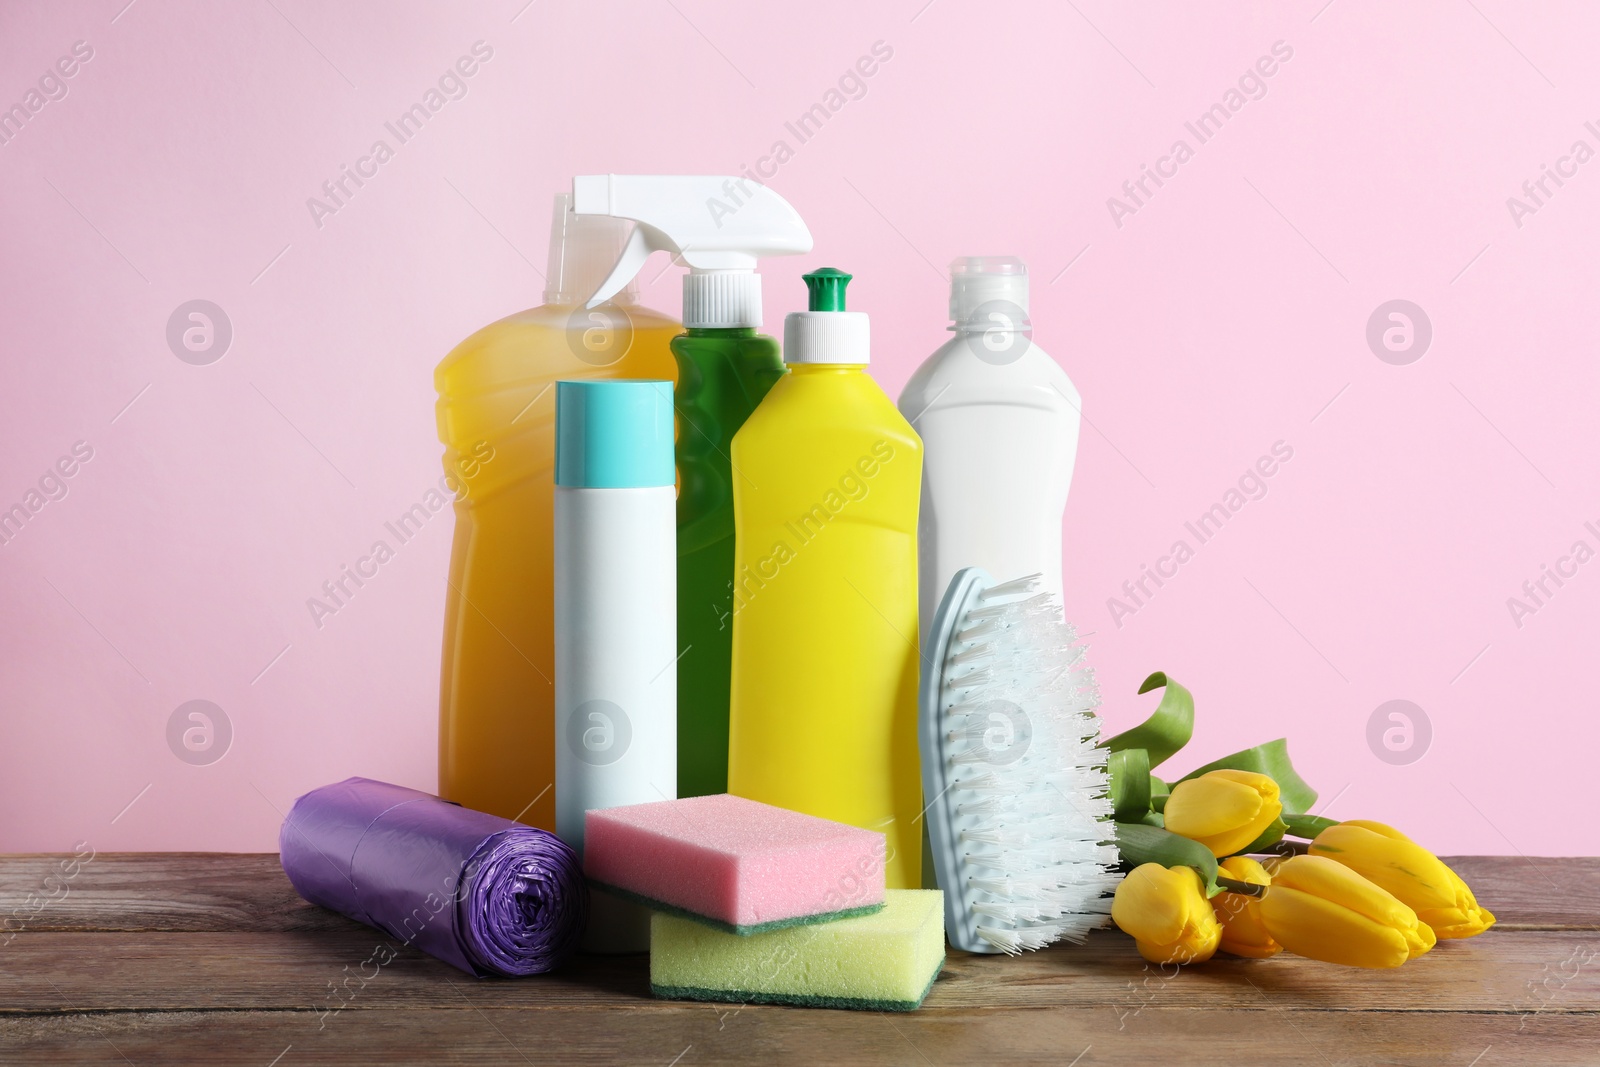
x=496, y=416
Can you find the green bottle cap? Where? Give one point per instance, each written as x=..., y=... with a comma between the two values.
x=827, y=289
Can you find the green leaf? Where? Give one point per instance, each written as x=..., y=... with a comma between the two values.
x=1129, y=772
x=1308, y=826
x=1167, y=729
x=1139, y=843
x=1269, y=837
x=1272, y=760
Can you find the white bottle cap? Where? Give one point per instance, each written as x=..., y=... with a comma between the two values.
x=826, y=337
x=826, y=333
x=721, y=299
x=988, y=292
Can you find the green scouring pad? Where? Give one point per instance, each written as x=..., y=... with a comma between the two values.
x=886, y=961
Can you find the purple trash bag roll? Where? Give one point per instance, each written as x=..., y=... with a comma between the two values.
x=485, y=894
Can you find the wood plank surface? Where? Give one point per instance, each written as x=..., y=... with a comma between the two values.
x=209, y=958
x=779, y=1037
x=217, y=891
x=215, y=972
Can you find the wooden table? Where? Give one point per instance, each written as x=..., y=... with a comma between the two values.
x=207, y=958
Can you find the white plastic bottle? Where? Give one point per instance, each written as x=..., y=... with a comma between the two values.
x=616, y=714
x=999, y=421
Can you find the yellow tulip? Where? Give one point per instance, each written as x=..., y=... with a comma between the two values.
x=1325, y=911
x=1223, y=810
x=1243, y=931
x=1388, y=858
x=1166, y=912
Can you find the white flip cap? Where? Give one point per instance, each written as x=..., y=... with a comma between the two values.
x=988, y=292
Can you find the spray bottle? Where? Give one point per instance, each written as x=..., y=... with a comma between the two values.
x=719, y=227
x=616, y=723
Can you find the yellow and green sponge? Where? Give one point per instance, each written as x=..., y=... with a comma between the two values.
x=886, y=961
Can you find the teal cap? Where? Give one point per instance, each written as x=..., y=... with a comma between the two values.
x=614, y=434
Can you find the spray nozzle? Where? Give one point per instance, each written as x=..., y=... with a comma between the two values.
x=826, y=288
x=716, y=226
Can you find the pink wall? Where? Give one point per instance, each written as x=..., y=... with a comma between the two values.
x=1226, y=312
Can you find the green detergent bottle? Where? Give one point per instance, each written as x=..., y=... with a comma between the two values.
x=718, y=227
x=722, y=373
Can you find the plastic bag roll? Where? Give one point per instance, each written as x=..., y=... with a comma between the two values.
x=485, y=894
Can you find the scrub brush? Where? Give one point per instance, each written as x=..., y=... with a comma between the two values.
x=1018, y=812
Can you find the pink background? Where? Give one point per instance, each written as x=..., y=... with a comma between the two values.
x=1228, y=313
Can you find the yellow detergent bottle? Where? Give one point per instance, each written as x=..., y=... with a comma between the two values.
x=496, y=417
x=825, y=662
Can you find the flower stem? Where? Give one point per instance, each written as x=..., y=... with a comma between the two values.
x=1308, y=826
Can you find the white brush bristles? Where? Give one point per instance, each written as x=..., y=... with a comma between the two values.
x=1026, y=801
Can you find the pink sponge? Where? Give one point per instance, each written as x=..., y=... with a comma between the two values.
x=734, y=864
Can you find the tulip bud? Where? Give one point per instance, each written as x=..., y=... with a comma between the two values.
x=1223, y=810
x=1243, y=931
x=1166, y=912
x=1325, y=911
x=1388, y=858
